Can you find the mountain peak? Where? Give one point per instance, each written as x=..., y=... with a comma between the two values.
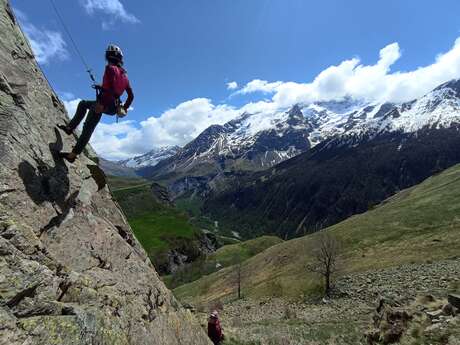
x=453, y=84
x=261, y=140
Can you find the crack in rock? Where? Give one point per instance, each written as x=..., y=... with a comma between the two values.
x=16, y=299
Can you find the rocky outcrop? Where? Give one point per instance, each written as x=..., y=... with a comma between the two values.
x=390, y=321
x=161, y=194
x=416, y=322
x=454, y=300
x=186, y=252
x=71, y=271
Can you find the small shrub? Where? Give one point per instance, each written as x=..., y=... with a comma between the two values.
x=275, y=288
x=289, y=313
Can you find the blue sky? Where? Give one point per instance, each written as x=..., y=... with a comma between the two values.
x=180, y=56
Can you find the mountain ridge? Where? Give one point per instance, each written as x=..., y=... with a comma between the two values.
x=150, y=158
x=255, y=142
x=331, y=182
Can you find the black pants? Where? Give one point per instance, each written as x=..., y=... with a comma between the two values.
x=92, y=119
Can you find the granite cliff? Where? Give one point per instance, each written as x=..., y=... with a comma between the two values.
x=71, y=271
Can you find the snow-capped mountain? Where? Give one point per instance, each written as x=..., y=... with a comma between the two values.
x=438, y=109
x=249, y=142
x=151, y=158
x=361, y=154
x=261, y=140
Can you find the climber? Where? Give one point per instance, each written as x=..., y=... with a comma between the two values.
x=214, y=328
x=115, y=83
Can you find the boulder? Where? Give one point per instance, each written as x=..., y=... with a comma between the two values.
x=448, y=310
x=390, y=322
x=434, y=314
x=71, y=270
x=454, y=299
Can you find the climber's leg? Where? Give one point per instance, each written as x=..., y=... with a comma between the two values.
x=90, y=124
x=92, y=119
x=82, y=109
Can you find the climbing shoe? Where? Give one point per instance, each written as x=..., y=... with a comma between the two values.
x=67, y=157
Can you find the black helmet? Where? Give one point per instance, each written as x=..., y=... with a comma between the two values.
x=114, y=53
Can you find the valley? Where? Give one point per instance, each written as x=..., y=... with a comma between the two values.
x=402, y=251
x=383, y=180
x=415, y=225
x=166, y=233
x=252, y=174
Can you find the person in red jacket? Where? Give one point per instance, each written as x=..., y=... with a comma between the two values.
x=115, y=83
x=214, y=328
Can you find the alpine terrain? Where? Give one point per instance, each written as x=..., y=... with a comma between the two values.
x=395, y=281
x=361, y=157
x=129, y=167
x=255, y=142
x=297, y=171
x=151, y=158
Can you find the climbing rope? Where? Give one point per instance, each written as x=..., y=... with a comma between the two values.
x=75, y=46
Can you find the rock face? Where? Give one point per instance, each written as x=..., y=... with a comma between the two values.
x=161, y=194
x=71, y=271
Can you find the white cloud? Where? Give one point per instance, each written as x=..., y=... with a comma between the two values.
x=176, y=126
x=258, y=85
x=371, y=82
x=46, y=44
x=70, y=105
x=233, y=85
x=375, y=82
x=114, y=9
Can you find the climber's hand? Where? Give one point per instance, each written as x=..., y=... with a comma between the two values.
x=122, y=112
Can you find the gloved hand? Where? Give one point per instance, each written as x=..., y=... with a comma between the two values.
x=121, y=112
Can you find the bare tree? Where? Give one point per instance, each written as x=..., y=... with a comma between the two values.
x=326, y=258
x=238, y=267
x=238, y=262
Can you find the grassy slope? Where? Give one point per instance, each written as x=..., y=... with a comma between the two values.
x=192, y=205
x=117, y=182
x=418, y=224
x=157, y=227
x=225, y=256
x=228, y=255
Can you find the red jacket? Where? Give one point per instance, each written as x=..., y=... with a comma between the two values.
x=215, y=331
x=114, y=84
